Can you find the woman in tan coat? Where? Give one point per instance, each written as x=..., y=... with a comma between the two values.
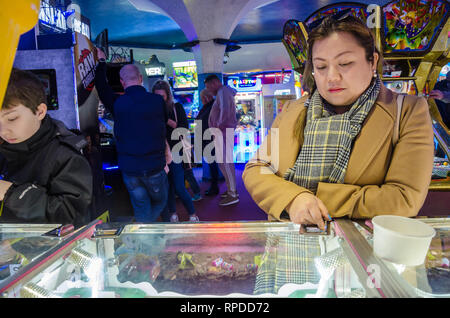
x=335, y=152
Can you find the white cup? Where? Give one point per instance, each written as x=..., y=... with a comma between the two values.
x=401, y=240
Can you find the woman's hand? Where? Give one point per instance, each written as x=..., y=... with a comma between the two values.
x=306, y=208
x=172, y=123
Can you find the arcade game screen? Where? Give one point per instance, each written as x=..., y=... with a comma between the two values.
x=246, y=113
x=185, y=75
x=190, y=102
x=48, y=79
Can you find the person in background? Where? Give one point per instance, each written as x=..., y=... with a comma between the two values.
x=223, y=117
x=176, y=119
x=337, y=153
x=44, y=176
x=441, y=94
x=192, y=181
x=140, y=131
x=207, y=99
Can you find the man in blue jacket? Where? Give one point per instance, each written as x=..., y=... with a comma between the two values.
x=140, y=131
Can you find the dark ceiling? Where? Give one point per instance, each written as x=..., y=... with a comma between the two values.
x=129, y=27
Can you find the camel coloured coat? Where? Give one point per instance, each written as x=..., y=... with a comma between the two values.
x=381, y=178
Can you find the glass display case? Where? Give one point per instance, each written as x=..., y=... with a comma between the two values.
x=20, y=244
x=192, y=259
x=432, y=278
x=226, y=259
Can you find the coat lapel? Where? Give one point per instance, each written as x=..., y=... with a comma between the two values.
x=289, y=143
x=376, y=131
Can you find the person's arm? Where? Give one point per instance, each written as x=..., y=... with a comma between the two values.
x=182, y=118
x=268, y=188
x=441, y=95
x=446, y=96
x=406, y=182
x=105, y=92
x=70, y=194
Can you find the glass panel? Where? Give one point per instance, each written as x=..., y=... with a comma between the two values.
x=203, y=259
x=22, y=243
x=431, y=279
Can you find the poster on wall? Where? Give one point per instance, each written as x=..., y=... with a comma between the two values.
x=85, y=56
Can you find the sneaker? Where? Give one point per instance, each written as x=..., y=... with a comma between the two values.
x=228, y=200
x=193, y=218
x=225, y=194
x=174, y=218
x=197, y=197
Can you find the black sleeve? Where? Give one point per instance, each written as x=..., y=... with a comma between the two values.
x=166, y=113
x=182, y=118
x=105, y=92
x=66, y=201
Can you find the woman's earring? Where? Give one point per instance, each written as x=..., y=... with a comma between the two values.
x=312, y=73
x=374, y=73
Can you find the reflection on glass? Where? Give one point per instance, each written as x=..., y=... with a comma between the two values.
x=235, y=259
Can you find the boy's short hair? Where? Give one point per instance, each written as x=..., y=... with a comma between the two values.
x=24, y=88
x=211, y=77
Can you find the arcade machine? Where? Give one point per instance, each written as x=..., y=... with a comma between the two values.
x=414, y=40
x=249, y=109
x=185, y=89
x=154, y=69
x=413, y=36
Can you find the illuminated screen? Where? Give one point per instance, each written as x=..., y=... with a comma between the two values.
x=185, y=75
x=48, y=79
x=190, y=102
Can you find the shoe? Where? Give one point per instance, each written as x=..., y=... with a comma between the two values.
x=193, y=218
x=228, y=200
x=225, y=194
x=212, y=191
x=174, y=218
x=197, y=197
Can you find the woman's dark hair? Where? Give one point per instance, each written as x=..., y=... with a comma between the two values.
x=24, y=88
x=165, y=86
x=330, y=25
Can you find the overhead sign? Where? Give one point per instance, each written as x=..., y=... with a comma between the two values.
x=245, y=84
x=55, y=20
x=155, y=71
x=52, y=16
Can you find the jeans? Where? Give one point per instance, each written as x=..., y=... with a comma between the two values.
x=176, y=185
x=190, y=178
x=214, y=172
x=148, y=194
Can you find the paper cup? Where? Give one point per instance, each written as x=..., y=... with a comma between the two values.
x=401, y=240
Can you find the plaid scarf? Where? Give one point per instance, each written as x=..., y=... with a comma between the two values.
x=328, y=140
